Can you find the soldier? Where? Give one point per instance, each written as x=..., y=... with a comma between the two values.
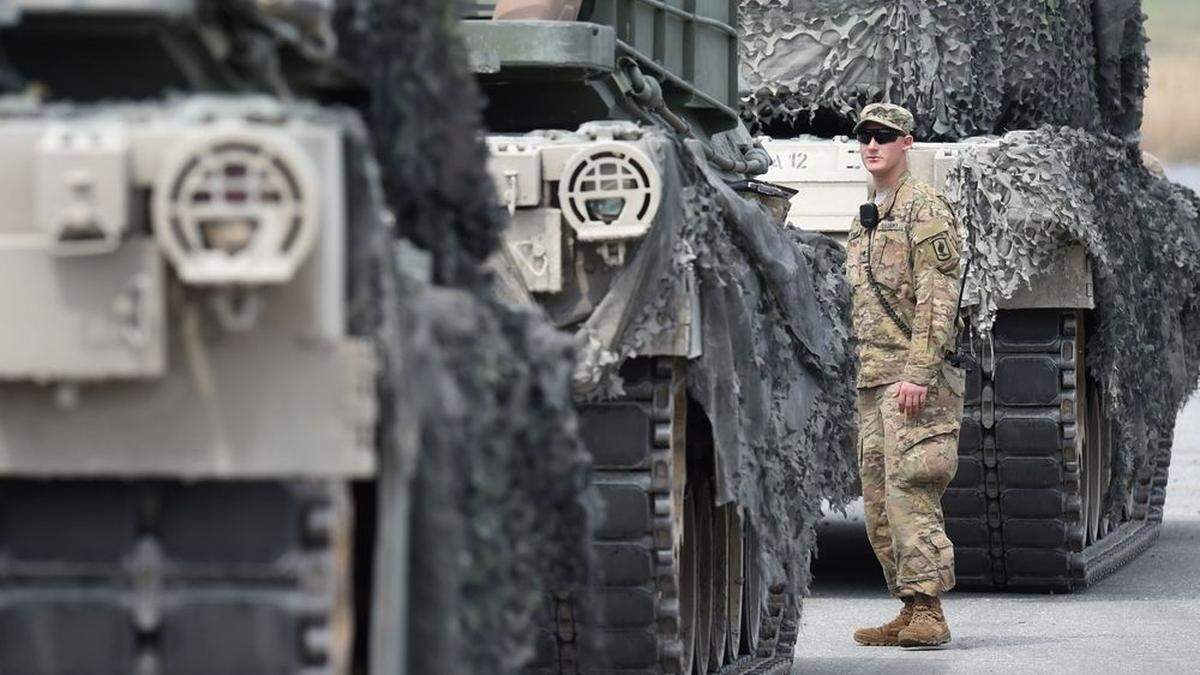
x=904, y=269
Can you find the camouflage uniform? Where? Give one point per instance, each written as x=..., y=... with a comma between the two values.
x=906, y=464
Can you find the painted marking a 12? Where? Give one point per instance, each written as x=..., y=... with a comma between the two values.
x=790, y=160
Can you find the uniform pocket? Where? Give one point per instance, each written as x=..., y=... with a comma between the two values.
x=955, y=379
x=943, y=558
x=932, y=459
x=856, y=254
x=942, y=412
x=912, y=434
x=891, y=259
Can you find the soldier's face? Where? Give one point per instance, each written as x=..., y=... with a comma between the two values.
x=882, y=159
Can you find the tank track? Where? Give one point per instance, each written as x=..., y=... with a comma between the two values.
x=149, y=576
x=777, y=640
x=1014, y=509
x=636, y=592
x=639, y=609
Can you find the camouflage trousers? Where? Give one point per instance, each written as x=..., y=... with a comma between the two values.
x=906, y=465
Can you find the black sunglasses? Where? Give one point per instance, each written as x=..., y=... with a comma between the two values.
x=881, y=136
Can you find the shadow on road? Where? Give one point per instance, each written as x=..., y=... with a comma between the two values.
x=845, y=566
x=845, y=563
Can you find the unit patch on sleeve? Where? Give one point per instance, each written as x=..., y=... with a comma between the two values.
x=941, y=248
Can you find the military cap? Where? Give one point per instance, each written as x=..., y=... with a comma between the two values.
x=887, y=114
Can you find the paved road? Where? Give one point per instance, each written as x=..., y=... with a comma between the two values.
x=1144, y=618
x=1188, y=174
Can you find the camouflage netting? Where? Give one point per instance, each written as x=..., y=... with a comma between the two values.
x=775, y=377
x=963, y=67
x=1039, y=192
x=476, y=398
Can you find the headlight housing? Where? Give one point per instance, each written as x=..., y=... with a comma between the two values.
x=236, y=206
x=609, y=191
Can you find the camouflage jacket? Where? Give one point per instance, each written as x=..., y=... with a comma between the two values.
x=915, y=260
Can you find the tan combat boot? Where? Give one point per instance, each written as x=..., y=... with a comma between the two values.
x=928, y=625
x=887, y=634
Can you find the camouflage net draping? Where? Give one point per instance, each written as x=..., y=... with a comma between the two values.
x=1038, y=192
x=478, y=423
x=962, y=67
x=776, y=374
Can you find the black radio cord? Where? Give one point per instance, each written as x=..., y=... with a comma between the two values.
x=887, y=306
x=963, y=353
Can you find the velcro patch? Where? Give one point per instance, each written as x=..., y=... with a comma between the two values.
x=941, y=248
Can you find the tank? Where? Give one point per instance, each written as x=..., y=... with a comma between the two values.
x=1067, y=427
x=254, y=420
x=712, y=366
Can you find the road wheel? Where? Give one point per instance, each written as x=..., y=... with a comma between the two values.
x=1095, y=449
x=735, y=588
x=752, y=598
x=702, y=495
x=687, y=582
x=720, y=576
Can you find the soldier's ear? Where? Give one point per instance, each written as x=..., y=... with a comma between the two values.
x=906, y=142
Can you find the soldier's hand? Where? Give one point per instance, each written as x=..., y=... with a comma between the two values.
x=912, y=398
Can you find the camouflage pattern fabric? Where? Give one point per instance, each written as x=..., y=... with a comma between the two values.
x=963, y=67
x=888, y=115
x=914, y=257
x=906, y=465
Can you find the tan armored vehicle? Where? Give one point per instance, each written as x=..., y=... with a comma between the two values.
x=617, y=151
x=216, y=455
x=184, y=406
x=1081, y=315
x=244, y=430
x=228, y=442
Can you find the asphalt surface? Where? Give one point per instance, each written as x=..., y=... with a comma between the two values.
x=1187, y=174
x=1145, y=618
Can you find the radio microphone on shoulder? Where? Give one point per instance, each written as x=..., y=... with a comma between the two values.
x=868, y=215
